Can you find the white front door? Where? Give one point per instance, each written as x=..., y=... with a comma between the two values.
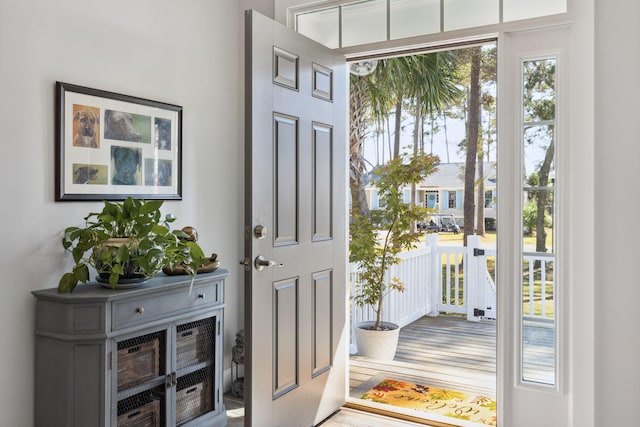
x=295, y=227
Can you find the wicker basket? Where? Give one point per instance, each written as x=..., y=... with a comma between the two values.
x=138, y=362
x=194, y=401
x=147, y=415
x=194, y=344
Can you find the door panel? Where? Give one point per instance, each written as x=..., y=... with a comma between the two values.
x=285, y=68
x=295, y=304
x=322, y=322
x=285, y=336
x=322, y=193
x=286, y=179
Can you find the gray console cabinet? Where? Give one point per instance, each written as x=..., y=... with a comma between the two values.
x=146, y=356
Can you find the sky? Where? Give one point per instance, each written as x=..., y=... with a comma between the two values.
x=533, y=154
x=455, y=134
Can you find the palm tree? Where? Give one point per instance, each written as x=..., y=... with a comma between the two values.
x=472, y=143
x=428, y=80
x=358, y=106
x=432, y=83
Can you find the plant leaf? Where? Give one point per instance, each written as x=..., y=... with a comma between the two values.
x=67, y=283
x=81, y=273
x=150, y=206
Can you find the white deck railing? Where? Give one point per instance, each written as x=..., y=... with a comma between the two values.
x=435, y=281
x=401, y=307
x=537, y=306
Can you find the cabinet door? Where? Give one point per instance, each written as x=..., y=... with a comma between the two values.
x=140, y=379
x=197, y=388
x=169, y=377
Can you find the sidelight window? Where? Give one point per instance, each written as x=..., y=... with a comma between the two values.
x=538, y=287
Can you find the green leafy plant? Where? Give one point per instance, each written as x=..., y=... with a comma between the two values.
x=530, y=218
x=375, y=248
x=128, y=239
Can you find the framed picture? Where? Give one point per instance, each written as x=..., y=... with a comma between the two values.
x=110, y=146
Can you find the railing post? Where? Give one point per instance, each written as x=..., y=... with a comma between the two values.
x=354, y=318
x=434, y=287
x=471, y=272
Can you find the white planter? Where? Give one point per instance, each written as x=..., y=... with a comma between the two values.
x=380, y=345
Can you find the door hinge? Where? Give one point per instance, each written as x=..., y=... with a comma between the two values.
x=219, y=322
x=478, y=252
x=477, y=312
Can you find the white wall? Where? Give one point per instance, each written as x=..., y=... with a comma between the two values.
x=617, y=372
x=180, y=52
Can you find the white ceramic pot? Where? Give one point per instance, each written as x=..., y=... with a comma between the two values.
x=380, y=345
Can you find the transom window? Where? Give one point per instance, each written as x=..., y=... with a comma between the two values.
x=352, y=23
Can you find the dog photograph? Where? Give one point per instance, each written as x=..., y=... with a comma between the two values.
x=123, y=126
x=89, y=174
x=86, y=126
x=157, y=172
x=163, y=133
x=126, y=166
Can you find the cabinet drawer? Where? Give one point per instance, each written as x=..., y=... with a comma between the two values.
x=137, y=311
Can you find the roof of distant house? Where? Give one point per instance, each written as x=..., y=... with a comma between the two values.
x=447, y=175
x=451, y=175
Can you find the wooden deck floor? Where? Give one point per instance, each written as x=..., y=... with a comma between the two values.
x=444, y=350
x=449, y=351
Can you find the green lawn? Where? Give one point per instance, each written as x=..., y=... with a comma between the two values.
x=490, y=238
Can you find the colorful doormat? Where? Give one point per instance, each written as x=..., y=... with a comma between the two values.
x=446, y=402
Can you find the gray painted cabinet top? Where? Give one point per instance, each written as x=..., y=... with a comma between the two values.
x=92, y=310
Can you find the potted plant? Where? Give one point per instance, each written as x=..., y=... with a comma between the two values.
x=375, y=247
x=127, y=242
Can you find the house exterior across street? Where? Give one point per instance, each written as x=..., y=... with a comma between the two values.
x=443, y=191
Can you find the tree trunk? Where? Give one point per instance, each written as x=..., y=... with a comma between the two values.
x=446, y=137
x=417, y=140
x=389, y=141
x=359, y=100
x=472, y=144
x=542, y=199
x=379, y=134
x=432, y=132
x=398, y=127
x=480, y=215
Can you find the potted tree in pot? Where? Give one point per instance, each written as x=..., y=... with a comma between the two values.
x=375, y=247
x=127, y=242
